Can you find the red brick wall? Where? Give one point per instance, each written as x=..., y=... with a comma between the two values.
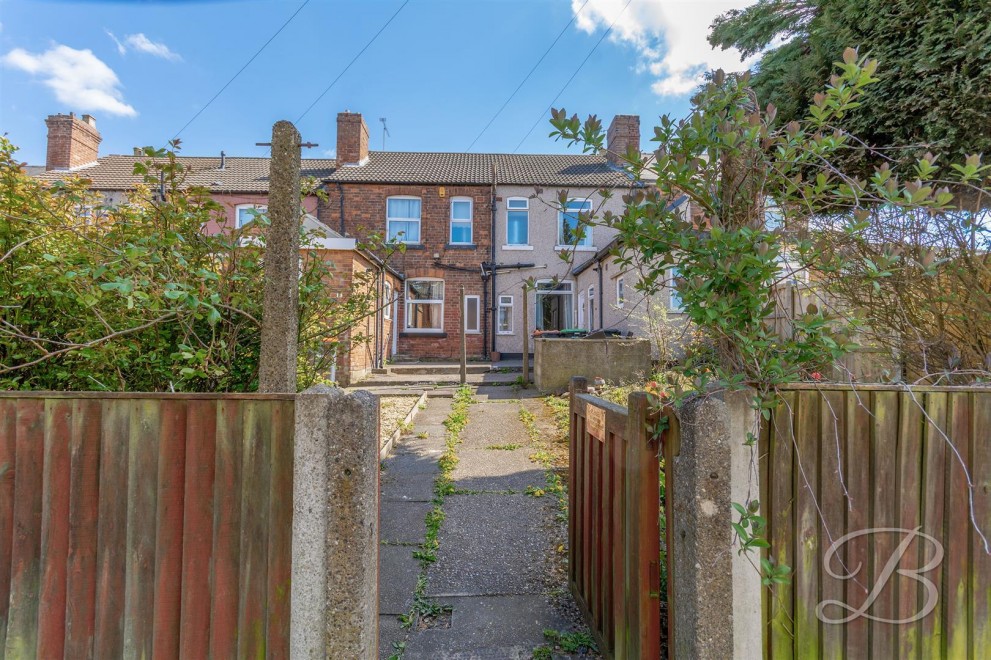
x=365, y=214
x=230, y=202
x=352, y=138
x=360, y=360
x=72, y=142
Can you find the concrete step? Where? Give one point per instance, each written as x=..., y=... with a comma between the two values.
x=438, y=369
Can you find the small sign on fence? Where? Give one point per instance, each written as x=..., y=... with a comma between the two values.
x=595, y=422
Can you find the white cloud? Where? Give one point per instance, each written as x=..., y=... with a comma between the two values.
x=142, y=44
x=121, y=48
x=79, y=78
x=669, y=37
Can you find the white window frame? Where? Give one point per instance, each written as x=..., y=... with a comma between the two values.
x=620, y=292
x=478, y=315
x=469, y=221
x=504, y=305
x=587, y=244
x=591, y=306
x=388, y=221
x=538, y=293
x=581, y=309
x=432, y=301
x=386, y=300
x=673, y=295
x=525, y=209
x=261, y=208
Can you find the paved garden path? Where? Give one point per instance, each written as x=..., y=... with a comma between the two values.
x=495, y=582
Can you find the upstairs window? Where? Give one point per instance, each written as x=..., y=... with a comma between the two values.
x=461, y=221
x=403, y=219
x=245, y=213
x=425, y=305
x=569, y=227
x=517, y=221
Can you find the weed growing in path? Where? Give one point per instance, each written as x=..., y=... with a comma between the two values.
x=424, y=609
x=507, y=447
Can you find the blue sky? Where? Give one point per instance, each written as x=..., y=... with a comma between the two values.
x=437, y=73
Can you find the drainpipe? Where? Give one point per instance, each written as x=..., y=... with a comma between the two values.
x=602, y=298
x=379, y=318
x=492, y=274
x=340, y=195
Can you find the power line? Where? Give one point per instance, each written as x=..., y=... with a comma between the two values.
x=565, y=86
x=241, y=70
x=527, y=77
x=353, y=60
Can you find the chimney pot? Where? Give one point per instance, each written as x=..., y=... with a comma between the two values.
x=138, y=151
x=352, y=139
x=72, y=142
x=623, y=133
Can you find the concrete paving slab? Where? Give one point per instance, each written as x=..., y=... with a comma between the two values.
x=491, y=424
x=398, y=571
x=491, y=545
x=403, y=522
x=497, y=469
x=503, y=627
x=390, y=630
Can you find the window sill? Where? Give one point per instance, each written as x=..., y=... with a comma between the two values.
x=517, y=247
x=461, y=246
x=409, y=246
x=473, y=332
x=433, y=334
x=575, y=248
x=505, y=334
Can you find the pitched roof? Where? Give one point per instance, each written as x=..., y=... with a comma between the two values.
x=476, y=169
x=250, y=175
x=240, y=175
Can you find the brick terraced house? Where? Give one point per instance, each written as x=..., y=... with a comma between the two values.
x=484, y=222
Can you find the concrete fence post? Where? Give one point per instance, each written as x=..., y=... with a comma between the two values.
x=717, y=592
x=335, y=525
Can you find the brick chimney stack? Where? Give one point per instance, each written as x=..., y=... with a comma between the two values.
x=623, y=133
x=72, y=142
x=352, y=139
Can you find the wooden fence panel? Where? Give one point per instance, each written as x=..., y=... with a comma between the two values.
x=125, y=520
x=614, y=532
x=905, y=456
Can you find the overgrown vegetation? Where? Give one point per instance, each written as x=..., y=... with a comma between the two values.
x=137, y=297
x=555, y=485
x=564, y=642
x=771, y=203
x=935, y=94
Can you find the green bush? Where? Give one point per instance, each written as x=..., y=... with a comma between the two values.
x=135, y=296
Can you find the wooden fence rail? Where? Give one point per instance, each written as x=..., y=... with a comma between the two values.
x=614, y=532
x=838, y=460
x=145, y=525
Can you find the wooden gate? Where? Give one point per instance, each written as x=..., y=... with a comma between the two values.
x=613, y=524
x=147, y=525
